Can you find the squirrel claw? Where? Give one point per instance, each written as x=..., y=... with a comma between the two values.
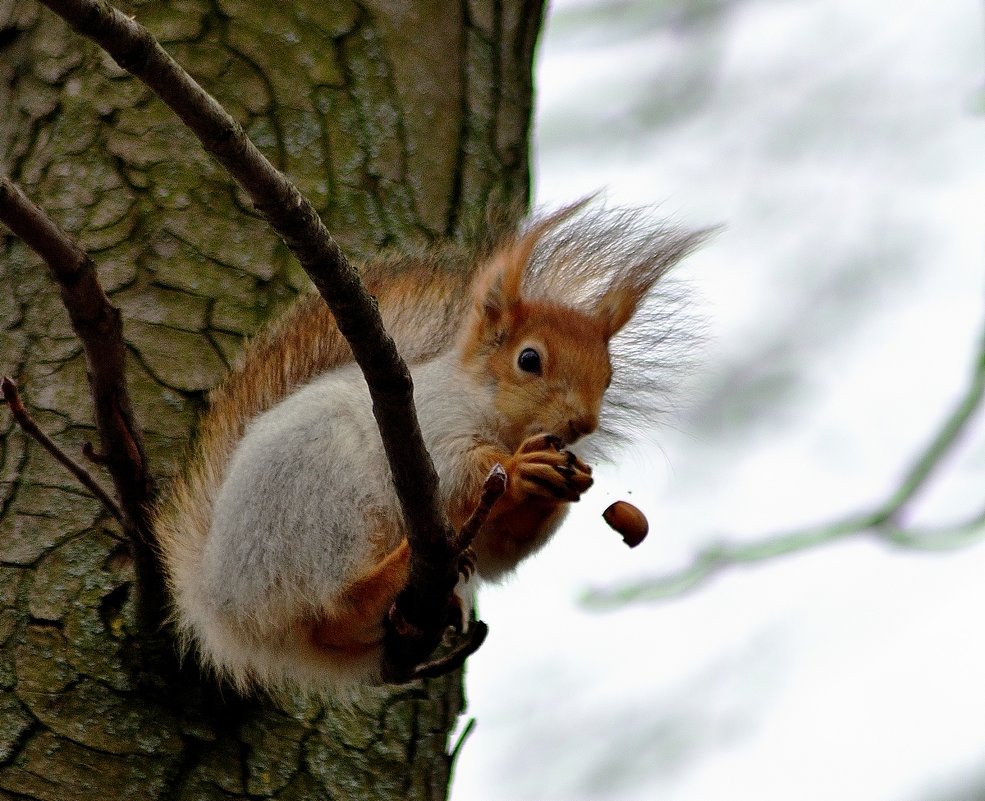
x=466, y=563
x=458, y=616
x=576, y=463
x=401, y=625
x=541, y=442
x=556, y=474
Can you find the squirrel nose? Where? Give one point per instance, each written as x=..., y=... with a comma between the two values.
x=580, y=426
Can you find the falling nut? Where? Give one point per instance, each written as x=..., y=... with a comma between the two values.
x=628, y=521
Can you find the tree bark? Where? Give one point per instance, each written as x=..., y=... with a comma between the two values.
x=402, y=122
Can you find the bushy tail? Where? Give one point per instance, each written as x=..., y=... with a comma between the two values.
x=422, y=301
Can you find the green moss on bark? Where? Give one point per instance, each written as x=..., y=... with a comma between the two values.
x=393, y=125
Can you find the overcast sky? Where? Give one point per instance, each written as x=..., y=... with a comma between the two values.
x=841, y=144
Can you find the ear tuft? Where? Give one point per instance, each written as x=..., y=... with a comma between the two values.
x=631, y=284
x=498, y=288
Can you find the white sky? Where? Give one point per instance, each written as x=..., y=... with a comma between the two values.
x=842, y=144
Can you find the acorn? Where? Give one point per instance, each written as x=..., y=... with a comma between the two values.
x=628, y=521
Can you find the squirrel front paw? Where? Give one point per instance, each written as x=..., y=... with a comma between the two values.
x=541, y=466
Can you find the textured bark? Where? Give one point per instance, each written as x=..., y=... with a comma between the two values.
x=402, y=122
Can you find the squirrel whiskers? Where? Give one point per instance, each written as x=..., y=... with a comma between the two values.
x=283, y=540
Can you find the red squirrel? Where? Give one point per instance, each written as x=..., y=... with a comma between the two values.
x=282, y=539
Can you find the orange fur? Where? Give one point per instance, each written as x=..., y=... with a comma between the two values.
x=356, y=624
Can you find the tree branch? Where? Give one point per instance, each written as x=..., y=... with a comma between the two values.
x=948, y=434
x=884, y=520
x=398, y=627
x=433, y=573
x=492, y=490
x=10, y=396
x=97, y=324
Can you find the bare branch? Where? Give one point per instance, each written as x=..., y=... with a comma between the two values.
x=97, y=324
x=883, y=521
x=462, y=739
x=492, y=490
x=935, y=452
x=394, y=670
x=434, y=561
x=10, y=395
x=937, y=538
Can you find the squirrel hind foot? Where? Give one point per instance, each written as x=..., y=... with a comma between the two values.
x=355, y=626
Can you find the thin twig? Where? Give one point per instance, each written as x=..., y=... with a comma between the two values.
x=937, y=538
x=434, y=570
x=98, y=325
x=947, y=436
x=492, y=490
x=8, y=390
x=462, y=739
x=883, y=520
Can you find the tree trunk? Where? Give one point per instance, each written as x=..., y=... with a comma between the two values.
x=402, y=122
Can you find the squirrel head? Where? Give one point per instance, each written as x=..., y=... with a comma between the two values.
x=547, y=360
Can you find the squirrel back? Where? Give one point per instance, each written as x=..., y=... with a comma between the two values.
x=567, y=262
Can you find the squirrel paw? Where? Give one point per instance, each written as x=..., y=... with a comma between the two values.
x=541, y=466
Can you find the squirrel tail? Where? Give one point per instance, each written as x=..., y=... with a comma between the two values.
x=422, y=301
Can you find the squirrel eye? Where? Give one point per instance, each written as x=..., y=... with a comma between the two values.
x=529, y=361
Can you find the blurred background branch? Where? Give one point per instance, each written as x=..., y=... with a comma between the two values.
x=841, y=145
x=886, y=520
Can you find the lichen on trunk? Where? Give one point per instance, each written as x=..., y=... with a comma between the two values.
x=401, y=122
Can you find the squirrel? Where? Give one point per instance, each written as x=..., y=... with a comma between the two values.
x=282, y=539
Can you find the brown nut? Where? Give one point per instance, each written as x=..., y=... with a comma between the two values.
x=628, y=521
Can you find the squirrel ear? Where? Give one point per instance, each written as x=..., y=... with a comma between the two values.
x=497, y=289
x=618, y=305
